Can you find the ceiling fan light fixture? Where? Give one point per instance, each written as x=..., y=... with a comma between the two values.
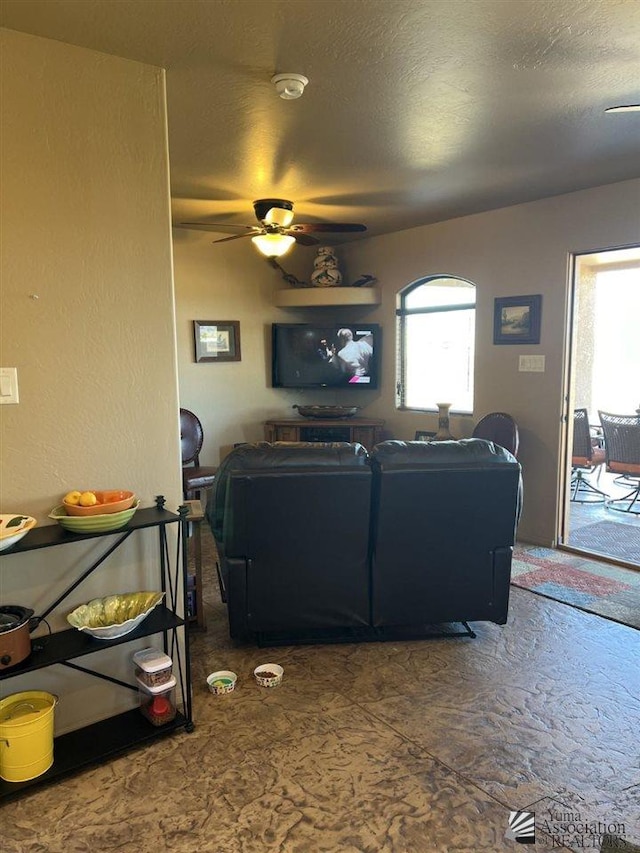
x=274, y=211
x=279, y=216
x=289, y=86
x=624, y=108
x=273, y=245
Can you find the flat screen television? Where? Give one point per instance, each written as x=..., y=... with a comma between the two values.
x=344, y=355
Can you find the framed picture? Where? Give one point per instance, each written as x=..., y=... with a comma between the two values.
x=217, y=340
x=516, y=319
x=423, y=435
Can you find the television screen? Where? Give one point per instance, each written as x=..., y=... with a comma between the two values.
x=325, y=356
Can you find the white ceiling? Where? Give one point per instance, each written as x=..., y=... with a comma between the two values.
x=416, y=110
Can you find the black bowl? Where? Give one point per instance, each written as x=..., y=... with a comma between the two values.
x=326, y=411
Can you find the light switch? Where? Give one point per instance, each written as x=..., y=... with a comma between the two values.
x=531, y=364
x=9, y=385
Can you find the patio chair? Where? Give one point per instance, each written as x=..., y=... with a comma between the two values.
x=622, y=453
x=585, y=459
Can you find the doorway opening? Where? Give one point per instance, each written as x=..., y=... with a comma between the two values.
x=603, y=379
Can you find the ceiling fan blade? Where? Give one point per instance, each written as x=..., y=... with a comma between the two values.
x=234, y=237
x=306, y=227
x=304, y=239
x=216, y=226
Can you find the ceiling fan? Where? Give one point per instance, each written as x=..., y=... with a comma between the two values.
x=276, y=234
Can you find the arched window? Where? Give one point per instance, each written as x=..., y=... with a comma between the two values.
x=436, y=335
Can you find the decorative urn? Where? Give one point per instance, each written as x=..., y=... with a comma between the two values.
x=444, y=433
x=326, y=272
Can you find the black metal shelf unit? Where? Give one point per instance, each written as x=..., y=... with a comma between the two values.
x=102, y=740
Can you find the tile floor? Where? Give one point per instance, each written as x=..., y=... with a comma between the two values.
x=406, y=747
x=583, y=515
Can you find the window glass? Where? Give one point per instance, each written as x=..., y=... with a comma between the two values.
x=442, y=291
x=436, y=322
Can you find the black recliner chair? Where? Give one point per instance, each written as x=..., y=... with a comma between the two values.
x=291, y=523
x=444, y=525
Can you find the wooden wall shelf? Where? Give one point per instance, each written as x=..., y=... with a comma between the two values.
x=310, y=297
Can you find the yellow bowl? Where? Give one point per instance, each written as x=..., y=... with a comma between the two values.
x=103, y=523
x=108, y=502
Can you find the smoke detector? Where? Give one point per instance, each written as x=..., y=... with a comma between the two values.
x=289, y=86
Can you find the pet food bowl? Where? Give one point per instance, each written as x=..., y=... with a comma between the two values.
x=268, y=674
x=221, y=682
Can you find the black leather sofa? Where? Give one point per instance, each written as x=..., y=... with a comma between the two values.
x=322, y=542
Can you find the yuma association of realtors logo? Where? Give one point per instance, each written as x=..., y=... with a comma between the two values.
x=522, y=827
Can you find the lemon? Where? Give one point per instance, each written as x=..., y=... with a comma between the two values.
x=87, y=499
x=72, y=498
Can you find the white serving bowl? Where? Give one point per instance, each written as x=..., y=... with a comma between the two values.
x=271, y=680
x=13, y=527
x=115, y=615
x=221, y=682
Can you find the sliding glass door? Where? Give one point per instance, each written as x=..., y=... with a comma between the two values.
x=603, y=374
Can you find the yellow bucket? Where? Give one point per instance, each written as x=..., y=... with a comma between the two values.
x=26, y=735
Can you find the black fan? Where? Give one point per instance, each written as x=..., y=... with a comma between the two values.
x=275, y=216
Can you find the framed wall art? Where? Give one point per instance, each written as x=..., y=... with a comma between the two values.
x=217, y=340
x=424, y=435
x=516, y=319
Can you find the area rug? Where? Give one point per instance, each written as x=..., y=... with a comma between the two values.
x=607, y=590
x=613, y=538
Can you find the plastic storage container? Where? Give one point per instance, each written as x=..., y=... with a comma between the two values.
x=158, y=704
x=153, y=668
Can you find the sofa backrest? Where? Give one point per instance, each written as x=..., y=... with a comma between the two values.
x=298, y=515
x=279, y=454
x=443, y=524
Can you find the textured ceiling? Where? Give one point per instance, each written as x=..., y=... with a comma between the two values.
x=416, y=110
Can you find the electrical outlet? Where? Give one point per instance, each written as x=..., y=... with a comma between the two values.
x=531, y=364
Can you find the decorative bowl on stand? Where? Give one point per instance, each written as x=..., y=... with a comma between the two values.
x=326, y=411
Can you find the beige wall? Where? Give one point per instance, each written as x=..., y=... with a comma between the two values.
x=234, y=282
x=514, y=251
x=230, y=398
x=518, y=250
x=88, y=320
